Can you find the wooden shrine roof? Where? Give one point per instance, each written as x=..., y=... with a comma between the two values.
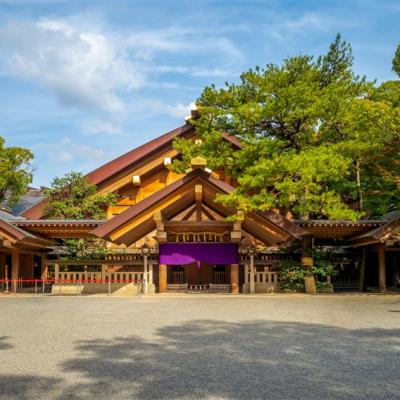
x=127, y=160
x=20, y=237
x=137, y=221
x=337, y=229
x=381, y=233
x=63, y=228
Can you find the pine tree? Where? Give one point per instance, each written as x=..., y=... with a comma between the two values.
x=316, y=138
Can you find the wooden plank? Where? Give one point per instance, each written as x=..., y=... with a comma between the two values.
x=189, y=214
x=207, y=213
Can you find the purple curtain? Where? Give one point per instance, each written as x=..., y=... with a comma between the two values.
x=188, y=253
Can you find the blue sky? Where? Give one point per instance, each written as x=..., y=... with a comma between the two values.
x=82, y=82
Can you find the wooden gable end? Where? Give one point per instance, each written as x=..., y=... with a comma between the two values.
x=138, y=221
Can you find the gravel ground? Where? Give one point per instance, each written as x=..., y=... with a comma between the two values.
x=200, y=347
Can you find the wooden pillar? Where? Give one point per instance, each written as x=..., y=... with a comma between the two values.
x=363, y=269
x=103, y=272
x=150, y=274
x=252, y=286
x=235, y=278
x=382, y=268
x=246, y=274
x=6, y=277
x=307, y=263
x=145, y=275
x=56, y=272
x=15, y=268
x=162, y=278
x=43, y=267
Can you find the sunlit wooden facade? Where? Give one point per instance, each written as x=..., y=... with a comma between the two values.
x=157, y=206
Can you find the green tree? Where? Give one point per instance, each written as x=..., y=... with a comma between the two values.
x=311, y=132
x=15, y=172
x=396, y=61
x=73, y=197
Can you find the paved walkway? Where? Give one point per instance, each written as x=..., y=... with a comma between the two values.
x=200, y=347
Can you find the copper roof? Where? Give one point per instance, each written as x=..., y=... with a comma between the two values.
x=139, y=153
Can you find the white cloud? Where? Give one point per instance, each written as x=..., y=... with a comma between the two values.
x=178, y=40
x=87, y=65
x=194, y=71
x=80, y=67
x=284, y=27
x=178, y=110
x=101, y=127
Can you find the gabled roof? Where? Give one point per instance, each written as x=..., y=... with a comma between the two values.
x=19, y=236
x=381, y=233
x=8, y=216
x=28, y=200
x=135, y=155
x=137, y=221
x=129, y=159
x=145, y=150
x=63, y=228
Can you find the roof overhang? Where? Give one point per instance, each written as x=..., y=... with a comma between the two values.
x=136, y=222
x=337, y=229
x=57, y=229
x=139, y=157
x=380, y=234
x=18, y=237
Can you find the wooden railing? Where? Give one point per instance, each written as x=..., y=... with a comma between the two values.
x=123, y=277
x=205, y=288
x=79, y=276
x=177, y=287
x=266, y=277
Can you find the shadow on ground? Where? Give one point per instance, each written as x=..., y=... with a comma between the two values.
x=3, y=343
x=221, y=360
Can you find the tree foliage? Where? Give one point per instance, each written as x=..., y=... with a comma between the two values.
x=292, y=274
x=317, y=139
x=15, y=172
x=396, y=61
x=73, y=197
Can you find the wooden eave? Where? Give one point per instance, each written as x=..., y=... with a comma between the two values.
x=380, y=234
x=137, y=221
x=337, y=229
x=20, y=237
x=60, y=228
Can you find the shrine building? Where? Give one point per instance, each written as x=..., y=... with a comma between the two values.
x=168, y=231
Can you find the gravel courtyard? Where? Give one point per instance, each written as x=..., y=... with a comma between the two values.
x=200, y=347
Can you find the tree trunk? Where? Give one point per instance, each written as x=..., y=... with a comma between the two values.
x=307, y=263
x=358, y=181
